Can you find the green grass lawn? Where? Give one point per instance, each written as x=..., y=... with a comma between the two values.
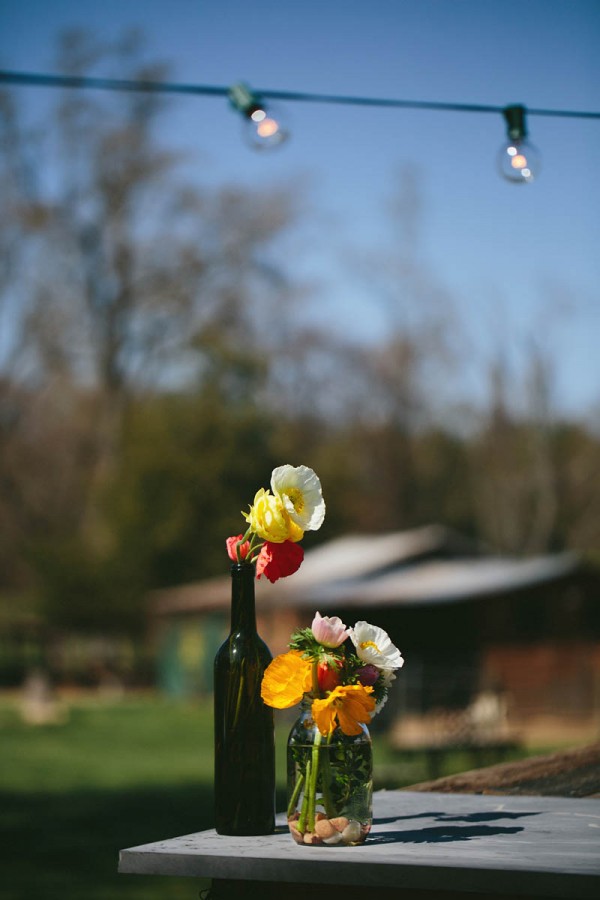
x=114, y=775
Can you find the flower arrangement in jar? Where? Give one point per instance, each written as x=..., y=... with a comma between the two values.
x=342, y=677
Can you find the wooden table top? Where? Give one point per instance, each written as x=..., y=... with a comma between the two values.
x=447, y=843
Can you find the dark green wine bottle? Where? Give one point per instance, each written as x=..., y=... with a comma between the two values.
x=244, y=738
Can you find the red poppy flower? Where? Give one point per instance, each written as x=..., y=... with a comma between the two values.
x=278, y=560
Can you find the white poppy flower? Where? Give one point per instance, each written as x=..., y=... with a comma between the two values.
x=374, y=647
x=380, y=705
x=299, y=489
x=387, y=676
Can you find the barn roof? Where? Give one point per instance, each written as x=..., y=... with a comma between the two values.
x=430, y=565
x=443, y=581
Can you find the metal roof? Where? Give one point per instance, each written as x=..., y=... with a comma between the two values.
x=381, y=570
x=442, y=581
x=362, y=555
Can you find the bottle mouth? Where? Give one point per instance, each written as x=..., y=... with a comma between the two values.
x=242, y=566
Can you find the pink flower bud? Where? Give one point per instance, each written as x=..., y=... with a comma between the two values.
x=232, y=544
x=329, y=631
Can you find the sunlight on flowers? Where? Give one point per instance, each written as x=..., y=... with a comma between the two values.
x=374, y=647
x=348, y=706
x=299, y=490
x=287, y=678
x=278, y=560
x=329, y=631
x=268, y=518
x=277, y=521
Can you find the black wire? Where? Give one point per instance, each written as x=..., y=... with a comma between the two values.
x=109, y=84
x=165, y=87
x=377, y=101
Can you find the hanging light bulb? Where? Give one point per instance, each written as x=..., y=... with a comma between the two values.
x=264, y=126
x=519, y=161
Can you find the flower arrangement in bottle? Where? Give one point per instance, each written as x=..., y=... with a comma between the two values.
x=244, y=743
x=277, y=522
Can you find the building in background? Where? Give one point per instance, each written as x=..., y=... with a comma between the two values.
x=515, y=639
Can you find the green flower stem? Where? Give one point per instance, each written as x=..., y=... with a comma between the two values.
x=305, y=801
x=315, y=680
x=295, y=795
x=330, y=810
x=314, y=774
x=256, y=543
x=239, y=544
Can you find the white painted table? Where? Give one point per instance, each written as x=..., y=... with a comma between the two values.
x=446, y=843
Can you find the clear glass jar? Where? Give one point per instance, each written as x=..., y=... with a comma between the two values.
x=330, y=784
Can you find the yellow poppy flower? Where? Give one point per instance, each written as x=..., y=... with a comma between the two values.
x=347, y=705
x=269, y=519
x=287, y=678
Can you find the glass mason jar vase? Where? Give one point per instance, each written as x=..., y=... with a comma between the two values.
x=330, y=784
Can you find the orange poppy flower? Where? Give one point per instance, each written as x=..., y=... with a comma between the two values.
x=347, y=705
x=286, y=679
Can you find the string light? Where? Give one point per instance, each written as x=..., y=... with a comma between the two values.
x=518, y=160
x=264, y=126
x=267, y=128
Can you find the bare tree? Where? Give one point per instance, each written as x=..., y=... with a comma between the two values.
x=121, y=279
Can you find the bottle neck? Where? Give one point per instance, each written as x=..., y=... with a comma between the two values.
x=243, y=611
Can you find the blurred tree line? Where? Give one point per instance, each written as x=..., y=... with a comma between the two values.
x=154, y=371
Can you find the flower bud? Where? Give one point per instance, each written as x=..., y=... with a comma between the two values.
x=232, y=544
x=368, y=675
x=328, y=676
x=329, y=631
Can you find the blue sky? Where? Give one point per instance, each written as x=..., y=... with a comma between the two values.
x=515, y=262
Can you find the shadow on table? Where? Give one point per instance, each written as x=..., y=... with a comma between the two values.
x=440, y=834
x=474, y=827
